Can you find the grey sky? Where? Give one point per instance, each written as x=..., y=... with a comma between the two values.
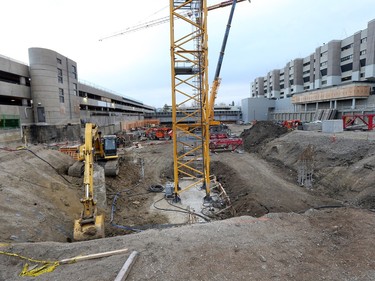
x=265, y=35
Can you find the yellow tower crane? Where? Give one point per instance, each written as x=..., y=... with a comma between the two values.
x=189, y=79
x=189, y=68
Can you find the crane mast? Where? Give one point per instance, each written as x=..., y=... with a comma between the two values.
x=189, y=68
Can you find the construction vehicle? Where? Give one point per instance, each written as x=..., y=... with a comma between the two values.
x=292, y=124
x=90, y=225
x=105, y=153
x=159, y=133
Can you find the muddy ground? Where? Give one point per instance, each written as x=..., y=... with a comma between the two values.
x=320, y=233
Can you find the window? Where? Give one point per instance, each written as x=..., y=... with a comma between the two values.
x=346, y=67
x=346, y=58
x=347, y=47
x=59, y=75
x=74, y=71
x=61, y=95
x=362, y=52
x=364, y=40
x=75, y=89
x=324, y=82
x=323, y=72
x=323, y=64
x=347, y=78
x=306, y=63
x=58, y=60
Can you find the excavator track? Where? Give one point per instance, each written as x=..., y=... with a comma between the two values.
x=111, y=167
x=76, y=170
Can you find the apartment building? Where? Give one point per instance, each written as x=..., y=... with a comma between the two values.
x=339, y=76
x=44, y=101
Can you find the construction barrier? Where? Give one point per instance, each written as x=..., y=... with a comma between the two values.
x=72, y=151
x=128, y=125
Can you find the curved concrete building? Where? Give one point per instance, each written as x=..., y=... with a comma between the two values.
x=45, y=102
x=54, y=85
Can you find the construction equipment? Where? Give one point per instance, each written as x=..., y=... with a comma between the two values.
x=90, y=225
x=105, y=153
x=221, y=139
x=292, y=124
x=189, y=65
x=358, y=122
x=159, y=133
x=189, y=68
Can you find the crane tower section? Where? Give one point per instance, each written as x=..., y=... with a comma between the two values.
x=190, y=88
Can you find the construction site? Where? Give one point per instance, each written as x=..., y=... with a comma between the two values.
x=196, y=199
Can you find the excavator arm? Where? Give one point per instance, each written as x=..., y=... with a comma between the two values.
x=90, y=225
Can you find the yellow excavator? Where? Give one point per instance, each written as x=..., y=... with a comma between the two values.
x=90, y=225
x=105, y=153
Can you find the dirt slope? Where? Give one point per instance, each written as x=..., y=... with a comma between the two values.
x=318, y=245
x=344, y=163
x=36, y=202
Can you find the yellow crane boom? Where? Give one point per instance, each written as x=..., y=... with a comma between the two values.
x=162, y=20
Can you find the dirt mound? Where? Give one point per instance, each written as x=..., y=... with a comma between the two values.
x=260, y=133
x=334, y=244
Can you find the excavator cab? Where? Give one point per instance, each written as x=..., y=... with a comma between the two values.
x=110, y=145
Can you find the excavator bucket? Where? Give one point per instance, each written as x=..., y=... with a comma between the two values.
x=89, y=231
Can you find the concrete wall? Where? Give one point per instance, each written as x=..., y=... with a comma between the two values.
x=51, y=133
x=10, y=136
x=256, y=109
x=284, y=105
x=332, y=126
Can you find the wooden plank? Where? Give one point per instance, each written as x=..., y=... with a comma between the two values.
x=124, y=272
x=93, y=256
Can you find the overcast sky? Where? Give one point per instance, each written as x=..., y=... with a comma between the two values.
x=265, y=35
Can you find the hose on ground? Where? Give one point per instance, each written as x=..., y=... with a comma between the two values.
x=113, y=210
x=156, y=188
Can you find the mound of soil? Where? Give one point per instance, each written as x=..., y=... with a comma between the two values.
x=260, y=133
